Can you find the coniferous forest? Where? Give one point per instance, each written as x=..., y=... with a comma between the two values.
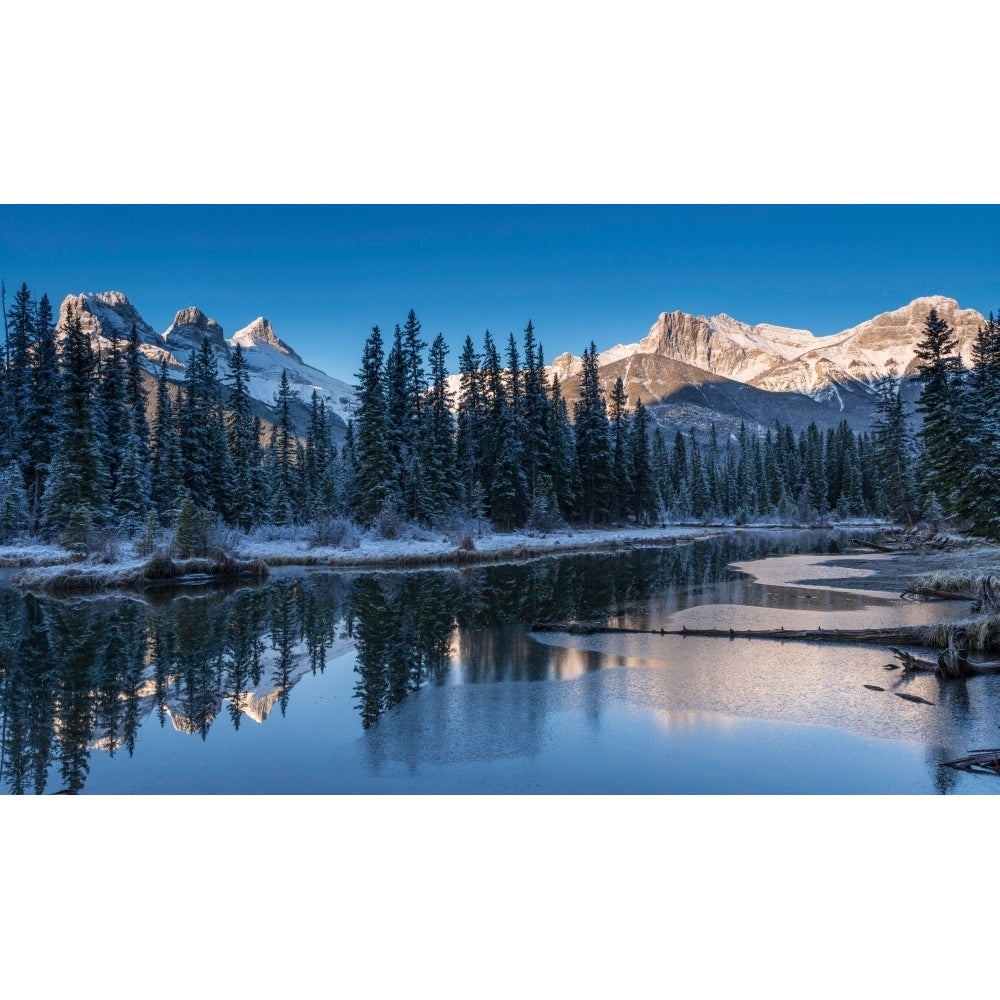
x=91, y=447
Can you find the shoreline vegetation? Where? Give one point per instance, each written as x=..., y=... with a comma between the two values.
x=54, y=569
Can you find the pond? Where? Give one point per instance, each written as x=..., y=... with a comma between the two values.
x=434, y=682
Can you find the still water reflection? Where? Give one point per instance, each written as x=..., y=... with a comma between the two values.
x=309, y=683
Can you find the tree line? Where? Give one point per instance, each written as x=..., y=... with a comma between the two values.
x=84, y=450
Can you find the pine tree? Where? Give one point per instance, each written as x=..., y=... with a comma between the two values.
x=243, y=446
x=593, y=445
x=621, y=466
x=78, y=483
x=537, y=412
x=371, y=459
x=41, y=415
x=13, y=504
x=976, y=497
x=285, y=506
x=19, y=326
x=939, y=371
x=166, y=463
x=893, y=451
x=565, y=472
x=471, y=422
x=645, y=495
x=135, y=391
x=115, y=420
x=437, y=444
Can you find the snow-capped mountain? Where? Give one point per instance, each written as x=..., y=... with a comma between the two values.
x=688, y=368
x=105, y=315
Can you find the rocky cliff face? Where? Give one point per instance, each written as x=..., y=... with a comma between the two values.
x=104, y=315
x=688, y=365
x=190, y=328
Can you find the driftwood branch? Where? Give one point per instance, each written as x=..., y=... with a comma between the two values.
x=912, y=635
x=977, y=762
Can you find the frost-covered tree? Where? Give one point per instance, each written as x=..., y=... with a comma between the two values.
x=939, y=370
x=78, y=486
x=371, y=460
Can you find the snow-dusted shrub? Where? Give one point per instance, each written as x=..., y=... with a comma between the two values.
x=13, y=504
x=274, y=533
x=104, y=545
x=192, y=528
x=224, y=537
x=390, y=524
x=334, y=532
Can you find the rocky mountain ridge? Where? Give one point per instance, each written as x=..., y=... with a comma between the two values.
x=105, y=315
x=696, y=370
x=688, y=370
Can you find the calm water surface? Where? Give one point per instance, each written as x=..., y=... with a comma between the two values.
x=430, y=682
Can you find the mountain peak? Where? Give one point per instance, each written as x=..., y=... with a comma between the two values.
x=260, y=333
x=190, y=327
x=103, y=314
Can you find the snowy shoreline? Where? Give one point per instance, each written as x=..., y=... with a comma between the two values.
x=39, y=565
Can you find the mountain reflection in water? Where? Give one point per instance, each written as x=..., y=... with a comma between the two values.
x=84, y=676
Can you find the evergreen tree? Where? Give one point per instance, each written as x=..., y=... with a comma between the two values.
x=285, y=501
x=593, y=446
x=437, y=443
x=537, y=412
x=114, y=419
x=471, y=422
x=645, y=495
x=41, y=414
x=976, y=495
x=565, y=472
x=621, y=466
x=19, y=326
x=242, y=442
x=78, y=481
x=13, y=504
x=939, y=371
x=371, y=460
x=166, y=463
x=893, y=451
x=135, y=391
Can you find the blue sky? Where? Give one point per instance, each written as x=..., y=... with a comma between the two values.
x=324, y=275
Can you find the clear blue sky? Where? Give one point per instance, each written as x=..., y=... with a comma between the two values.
x=324, y=275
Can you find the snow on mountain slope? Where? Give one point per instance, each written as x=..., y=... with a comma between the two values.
x=267, y=356
x=105, y=314
x=780, y=359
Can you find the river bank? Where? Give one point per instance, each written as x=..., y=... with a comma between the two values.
x=47, y=567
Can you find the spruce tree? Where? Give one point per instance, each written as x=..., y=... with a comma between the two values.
x=166, y=463
x=645, y=496
x=371, y=460
x=621, y=468
x=41, y=415
x=593, y=445
x=78, y=483
x=437, y=444
x=893, y=451
x=471, y=427
x=939, y=371
x=243, y=448
x=976, y=496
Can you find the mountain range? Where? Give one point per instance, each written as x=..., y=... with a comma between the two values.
x=689, y=371
x=104, y=315
x=697, y=370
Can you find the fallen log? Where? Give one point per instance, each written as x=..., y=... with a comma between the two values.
x=977, y=762
x=911, y=635
x=943, y=595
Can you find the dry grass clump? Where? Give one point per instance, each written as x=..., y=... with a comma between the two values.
x=948, y=581
x=158, y=568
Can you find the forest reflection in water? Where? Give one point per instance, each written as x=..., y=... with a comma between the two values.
x=84, y=675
